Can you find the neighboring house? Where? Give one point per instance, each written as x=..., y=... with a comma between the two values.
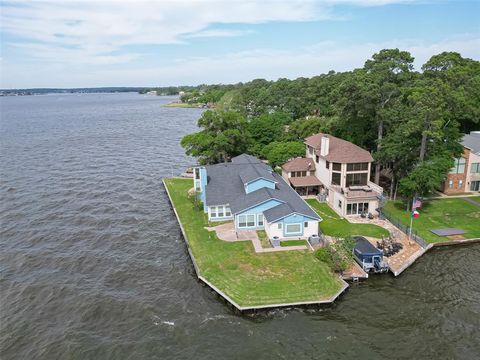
x=300, y=174
x=343, y=170
x=248, y=192
x=465, y=174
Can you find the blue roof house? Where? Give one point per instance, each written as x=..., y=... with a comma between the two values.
x=248, y=192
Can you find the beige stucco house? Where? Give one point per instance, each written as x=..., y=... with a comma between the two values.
x=343, y=173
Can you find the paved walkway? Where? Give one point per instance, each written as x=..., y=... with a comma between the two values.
x=226, y=232
x=471, y=201
x=443, y=196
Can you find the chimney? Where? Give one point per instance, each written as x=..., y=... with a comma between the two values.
x=324, y=145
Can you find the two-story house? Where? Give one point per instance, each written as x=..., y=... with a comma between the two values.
x=343, y=170
x=465, y=174
x=251, y=194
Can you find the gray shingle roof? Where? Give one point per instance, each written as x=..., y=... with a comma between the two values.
x=472, y=141
x=226, y=186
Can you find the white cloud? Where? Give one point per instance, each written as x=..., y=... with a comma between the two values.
x=97, y=31
x=247, y=65
x=217, y=33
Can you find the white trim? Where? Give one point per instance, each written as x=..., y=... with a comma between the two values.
x=261, y=177
x=258, y=220
x=260, y=203
x=294, y=213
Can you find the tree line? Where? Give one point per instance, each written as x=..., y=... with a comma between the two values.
x=411, y=121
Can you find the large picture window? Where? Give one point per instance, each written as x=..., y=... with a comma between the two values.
x=250, y=220
x=357, y=208
x=336, y=178
x=475, y=169
x=357, y=167
x=357, y=179
x=220, y=211
x=459, y=166
x=293, y=228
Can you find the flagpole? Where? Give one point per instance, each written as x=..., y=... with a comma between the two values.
x=411, y=220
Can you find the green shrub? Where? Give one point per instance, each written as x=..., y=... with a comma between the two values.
x=337, y=256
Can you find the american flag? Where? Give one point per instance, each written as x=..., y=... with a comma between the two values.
x=417, y=204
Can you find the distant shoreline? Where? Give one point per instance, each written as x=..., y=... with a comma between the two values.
x=187, y=105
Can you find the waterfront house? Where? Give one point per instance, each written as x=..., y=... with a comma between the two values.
x=250, y=193
x=465, y=174
x=343, y=173
x=300, y=173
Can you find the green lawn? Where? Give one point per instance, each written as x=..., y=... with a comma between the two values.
x=293, y=243
x=438, y=214
x=251, y=279
x=475, y=198
x=334, y=225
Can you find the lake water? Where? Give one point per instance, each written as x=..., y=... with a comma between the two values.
x=93, y=265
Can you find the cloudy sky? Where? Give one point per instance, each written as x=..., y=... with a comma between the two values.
x=63, y=43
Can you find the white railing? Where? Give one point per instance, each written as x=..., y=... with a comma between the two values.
x=375, y=187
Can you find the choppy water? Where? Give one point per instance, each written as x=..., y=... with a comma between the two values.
x=93, y=265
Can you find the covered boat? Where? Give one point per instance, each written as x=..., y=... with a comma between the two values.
x=368, y=256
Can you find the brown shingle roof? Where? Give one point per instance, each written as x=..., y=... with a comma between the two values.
x=299, y=164
x=305, y=181
x=341, y=151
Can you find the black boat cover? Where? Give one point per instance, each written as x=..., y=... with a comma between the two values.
x=364, y=247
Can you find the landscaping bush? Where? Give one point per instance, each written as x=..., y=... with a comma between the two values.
x=195, y=200
x=337, y=256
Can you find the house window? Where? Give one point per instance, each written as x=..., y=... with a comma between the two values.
x=293, y=174
x=197, y=173
x=310, y=150
x=337, y=167
x=220, y=211
x=460, y=184
x=362, y=208
x=475, y=186
x=228, y=212
x=260, y=220
x=450, y=184
x=242, y=221
x=213, y=211
x=356, y=179
x=197, y=186
x=357, y=208
x=475, y=169
x=305, y=224
x=317, y=159
x=357, y=167
x=336, y=178
x=459, y=166
x=339, y=204
x=293, y=228
x=327, y=164
x=250, y=220
x=279, y=226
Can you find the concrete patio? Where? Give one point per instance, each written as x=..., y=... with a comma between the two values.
x=227, y=232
